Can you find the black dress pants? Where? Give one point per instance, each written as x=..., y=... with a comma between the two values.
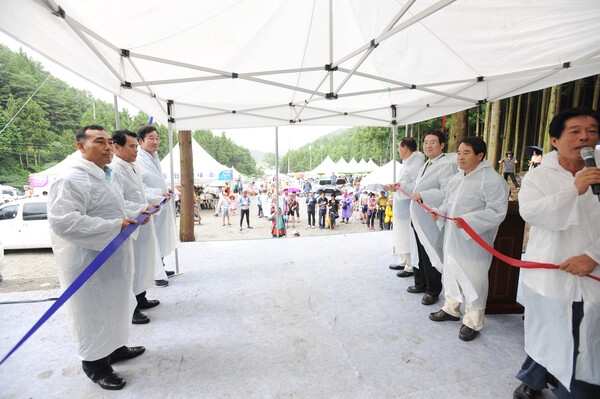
x=427, y=277
x=97, y=369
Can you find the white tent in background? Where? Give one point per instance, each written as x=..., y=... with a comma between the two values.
x=371, y=166
x=206, y=168
x=362, y=167
x=341, y=167
x=353, y=166
x=41, y=181
x=326, y=167
x=382, y=175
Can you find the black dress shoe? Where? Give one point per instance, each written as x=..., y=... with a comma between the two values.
x=148, y=303
x=429, y=299
x=467, y=333
x=404, y=273
x=440, y=315
x=524, y=392
x=396, y=267
x=414, y=290
x=125, y=353
x=112, y=381
x=169, y=273
x=139, y=318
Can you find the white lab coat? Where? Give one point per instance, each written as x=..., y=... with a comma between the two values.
x=145, y=246
x=563, y=224
x=407, y=177
x=85, y=213
x=432, y=185
x=481, y=199
x=154, y=188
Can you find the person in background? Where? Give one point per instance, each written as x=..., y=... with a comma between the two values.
x=371, y=211
x=306, y=187
x=381, y=204
x=536, y=160
x=388, y=221
x=333, y=178
x=156, y=190
x=259, y=203
x=346, y=206
x=562, y=306
x=334, y=207
x=85, y=213
x=311, y=203
x=245, y=203
x=478, y=196
x=509, y=168
x=322, y=205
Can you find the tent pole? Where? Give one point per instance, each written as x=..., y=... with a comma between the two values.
x=171, y=119
x=117, y=119
x=276, y=214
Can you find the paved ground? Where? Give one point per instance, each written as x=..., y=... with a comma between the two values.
x=309, y=317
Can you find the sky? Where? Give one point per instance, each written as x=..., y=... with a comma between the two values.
x=261, y=139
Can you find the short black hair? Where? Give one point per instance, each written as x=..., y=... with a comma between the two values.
x=409, y=143
x=119, y=137
x=144, y=130
x=81, y=134
x=476, y=143
x=441, y=136
x=558, y=123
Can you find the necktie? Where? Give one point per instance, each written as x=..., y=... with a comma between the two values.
x=427, y=164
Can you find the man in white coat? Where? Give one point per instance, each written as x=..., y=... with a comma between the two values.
x=429, y=190
x=156, y=190
x=85, y=213
x=128, y=178
x=403, y=236
x=562, y=306
x=478, y=195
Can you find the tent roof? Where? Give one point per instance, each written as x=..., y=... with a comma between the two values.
x=232, y=63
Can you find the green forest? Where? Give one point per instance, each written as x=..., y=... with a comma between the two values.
x=45, y=113
x=39, y=115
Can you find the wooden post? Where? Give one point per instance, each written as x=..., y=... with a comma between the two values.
x=186, y=217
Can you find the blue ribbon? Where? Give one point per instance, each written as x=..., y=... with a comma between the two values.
x=86, y=274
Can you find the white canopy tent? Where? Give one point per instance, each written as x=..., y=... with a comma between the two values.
x=230, y=63
x=206, y=168
x=41, y=181
x=382, y=175
x=327, y=167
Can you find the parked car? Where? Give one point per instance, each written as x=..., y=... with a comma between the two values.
x=10, y=194
x=24, y=224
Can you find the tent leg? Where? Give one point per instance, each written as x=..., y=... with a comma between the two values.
x=170, y=105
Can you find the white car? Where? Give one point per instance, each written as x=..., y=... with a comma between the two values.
x=10, y=193
x=24, y=224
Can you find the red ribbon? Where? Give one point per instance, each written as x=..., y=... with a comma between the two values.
x=507, y=259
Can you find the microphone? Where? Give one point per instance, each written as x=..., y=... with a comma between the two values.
x=587, y=153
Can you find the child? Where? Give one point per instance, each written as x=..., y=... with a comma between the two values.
x=389, y=215
x=225, y=211
x=232, y=205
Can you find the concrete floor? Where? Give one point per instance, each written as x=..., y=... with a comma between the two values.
x=309, y=317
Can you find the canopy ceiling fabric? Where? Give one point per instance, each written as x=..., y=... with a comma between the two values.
x=249, y=63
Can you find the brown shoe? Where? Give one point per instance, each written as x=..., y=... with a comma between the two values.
x=440, y=315
x=429, y=299
x=467, y=333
